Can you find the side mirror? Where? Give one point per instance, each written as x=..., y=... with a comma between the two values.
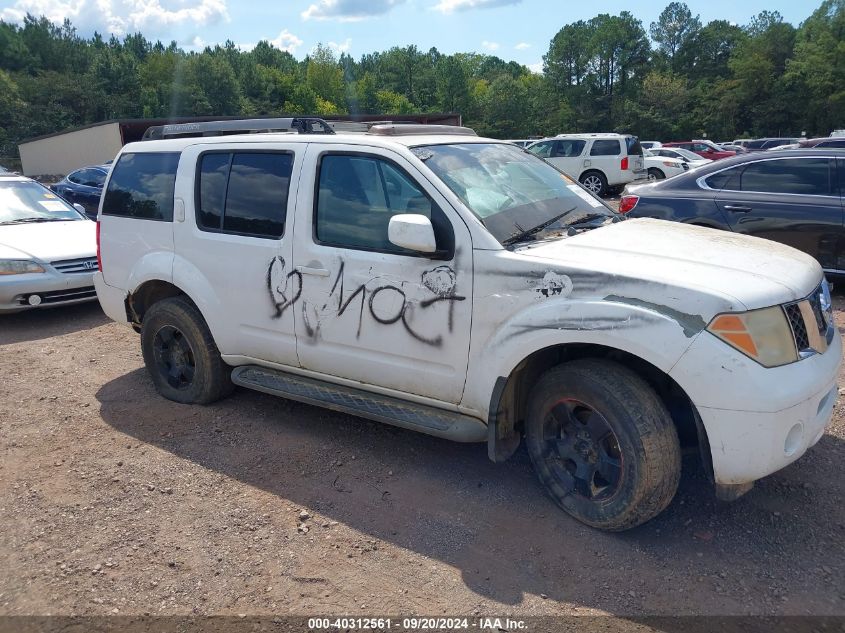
x=412, y=231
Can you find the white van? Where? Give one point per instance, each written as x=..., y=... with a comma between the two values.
x=600, y=162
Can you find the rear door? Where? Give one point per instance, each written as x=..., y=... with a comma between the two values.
x=234, y=242
x=793, y=201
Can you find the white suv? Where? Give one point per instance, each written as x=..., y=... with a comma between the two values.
x=458, y=286
x=600, y=162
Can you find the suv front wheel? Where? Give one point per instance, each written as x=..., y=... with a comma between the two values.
x=602, y=443
x=595, y=181
x=181, y=355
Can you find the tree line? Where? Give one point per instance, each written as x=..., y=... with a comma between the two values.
x=677, y=79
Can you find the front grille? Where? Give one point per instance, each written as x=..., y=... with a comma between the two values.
x=815, y=300
x=58, y=296
x=808, y=323
x=799, y=328
x=81, y=265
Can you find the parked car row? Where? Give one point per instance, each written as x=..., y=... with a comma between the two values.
x=600, y=162
x=47, y=248
x=789, y=196
x=83, y=186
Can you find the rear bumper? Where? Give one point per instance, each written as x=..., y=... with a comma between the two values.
x=44, y=290
x=112, y=300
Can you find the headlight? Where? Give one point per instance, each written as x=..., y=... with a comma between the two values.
x=19, y=267
x=764, y=335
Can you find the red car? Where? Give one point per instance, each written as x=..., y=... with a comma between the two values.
x=705, y=149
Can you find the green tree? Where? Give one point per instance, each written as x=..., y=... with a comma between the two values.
x=675, y=30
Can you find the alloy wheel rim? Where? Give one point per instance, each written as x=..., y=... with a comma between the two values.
x=592, y=183
x=174, y=357
x=582, y=451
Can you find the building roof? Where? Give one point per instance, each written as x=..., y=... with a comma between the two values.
x=133, y=129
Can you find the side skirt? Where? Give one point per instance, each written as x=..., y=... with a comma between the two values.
x=407, y=415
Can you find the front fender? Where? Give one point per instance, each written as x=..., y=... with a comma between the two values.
x=654, y=333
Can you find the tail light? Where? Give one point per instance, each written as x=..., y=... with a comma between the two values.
x=627, y=203
x=99, y=257
x=624, y=165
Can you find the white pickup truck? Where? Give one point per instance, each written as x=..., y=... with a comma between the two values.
x=455, y=285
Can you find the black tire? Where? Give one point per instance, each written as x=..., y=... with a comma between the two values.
x=603, y=444
x=181, y=355
x=655, y=174
x=595, y=181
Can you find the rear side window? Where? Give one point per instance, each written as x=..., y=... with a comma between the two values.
x=727, y=179
x=245, y=193
x=605, y=148
x=569, y=148
x=807, y=176
x=141, y=186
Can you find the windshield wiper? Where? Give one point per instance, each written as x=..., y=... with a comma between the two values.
x=32, y=220
x=523, y=234
x=587, y=219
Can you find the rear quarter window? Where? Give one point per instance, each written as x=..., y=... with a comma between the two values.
x=141, y=186
x=605, y=148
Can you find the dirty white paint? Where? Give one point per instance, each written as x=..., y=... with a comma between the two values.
x=443, y=331
x=555, y=285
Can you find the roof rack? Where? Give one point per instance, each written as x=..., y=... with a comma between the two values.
x=418, y=129
x=295, y=125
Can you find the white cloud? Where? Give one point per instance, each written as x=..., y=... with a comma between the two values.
x=197, y=43
x=341, y=48
x=490, y=46
x=120, y=17
x=450, y=6
x=536, y=68
x=348, y=10
x=286, y=41
x=522, y=46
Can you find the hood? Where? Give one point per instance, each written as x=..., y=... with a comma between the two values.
x=49, y=241
x=694, y=267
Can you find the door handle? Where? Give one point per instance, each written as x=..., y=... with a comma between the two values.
x=318, y=272
x=737, y=208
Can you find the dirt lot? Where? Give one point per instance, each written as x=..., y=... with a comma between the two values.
x=114, y=500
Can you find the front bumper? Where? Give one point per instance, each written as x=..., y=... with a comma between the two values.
x=51, y=287
x=758, y=420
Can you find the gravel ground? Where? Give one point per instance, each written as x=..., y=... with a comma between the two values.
x=116, y=501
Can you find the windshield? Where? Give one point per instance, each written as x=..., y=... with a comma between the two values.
x=22, y=202
x=509, y=190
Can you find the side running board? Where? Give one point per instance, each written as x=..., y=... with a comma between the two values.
x=407, y=415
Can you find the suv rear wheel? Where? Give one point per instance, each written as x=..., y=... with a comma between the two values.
x=603, y=444
x=181, y=355
x=595, y=181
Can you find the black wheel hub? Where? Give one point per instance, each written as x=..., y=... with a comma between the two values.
x=582, y=451
x=174, y=357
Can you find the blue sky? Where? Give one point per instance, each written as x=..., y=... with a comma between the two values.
x=517, y=30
